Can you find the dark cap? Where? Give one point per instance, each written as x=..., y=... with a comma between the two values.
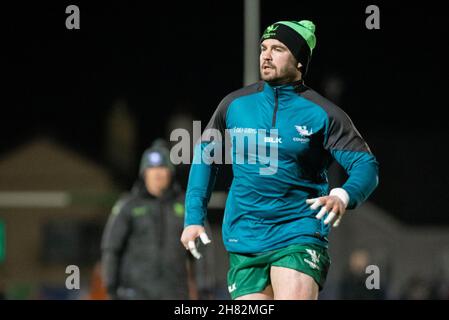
x=157, y=155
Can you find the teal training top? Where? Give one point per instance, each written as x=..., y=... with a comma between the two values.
x=266, y=207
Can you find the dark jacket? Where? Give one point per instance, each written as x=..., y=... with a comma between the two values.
x=142, y=256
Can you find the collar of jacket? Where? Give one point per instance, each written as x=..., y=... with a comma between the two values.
x=285, y=91
x=292, y=88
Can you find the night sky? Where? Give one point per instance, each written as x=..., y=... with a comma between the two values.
x=189, y=55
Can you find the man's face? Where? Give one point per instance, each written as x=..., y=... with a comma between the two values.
x=277, y=64
x=157, y=180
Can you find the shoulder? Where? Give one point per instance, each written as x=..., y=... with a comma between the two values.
x=242, y=92
x=332, y=111
x=125, y=203
x=341, y=134
x=218, y=120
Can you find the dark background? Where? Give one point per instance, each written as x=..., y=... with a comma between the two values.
x=172, y=55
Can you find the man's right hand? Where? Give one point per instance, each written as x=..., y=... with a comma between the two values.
x=189, y=236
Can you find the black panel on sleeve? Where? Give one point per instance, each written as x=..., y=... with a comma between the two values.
x=341, y=134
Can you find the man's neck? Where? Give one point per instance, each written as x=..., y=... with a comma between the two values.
x=281, y=82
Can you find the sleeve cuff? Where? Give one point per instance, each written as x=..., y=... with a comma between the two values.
x=342, y=194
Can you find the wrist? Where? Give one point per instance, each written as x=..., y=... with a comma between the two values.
x=341, y=194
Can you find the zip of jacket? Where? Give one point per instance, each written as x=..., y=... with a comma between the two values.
x=273, y=124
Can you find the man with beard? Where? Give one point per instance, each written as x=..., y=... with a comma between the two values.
x=276, y=225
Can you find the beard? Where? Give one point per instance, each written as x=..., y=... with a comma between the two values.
x=275, y=76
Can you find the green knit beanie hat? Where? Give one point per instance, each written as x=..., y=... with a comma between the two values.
x=298, y=36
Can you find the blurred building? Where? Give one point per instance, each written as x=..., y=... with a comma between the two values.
x=53, y=203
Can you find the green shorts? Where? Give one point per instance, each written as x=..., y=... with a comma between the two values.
x=250, y=273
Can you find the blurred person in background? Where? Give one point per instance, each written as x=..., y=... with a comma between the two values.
x=141, y=256
x=276, y=225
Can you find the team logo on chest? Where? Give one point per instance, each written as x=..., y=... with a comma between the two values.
x=304, y=134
